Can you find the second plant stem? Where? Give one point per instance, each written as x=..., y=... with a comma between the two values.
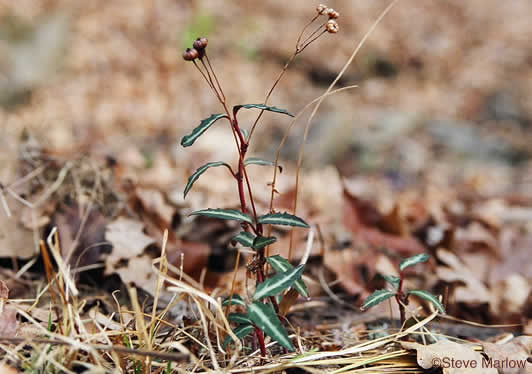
x=401, y=299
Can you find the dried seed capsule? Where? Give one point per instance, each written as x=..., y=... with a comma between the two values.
x=190, y=54
x=332, y=26
x=321, y=9
x=333, y=14
x=200, y=43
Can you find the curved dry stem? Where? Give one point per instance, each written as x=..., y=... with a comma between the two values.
x=277, y=80
x=297, y=51
x=285, y=137
x=215, y=78
x=305, y=28
x=318, y=104
x=312, y=37
x=206, y=77
x=181, y=287
x=237, y=263
x=206, y=332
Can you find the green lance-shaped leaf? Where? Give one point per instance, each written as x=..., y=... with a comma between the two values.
x=377, y=297
x=265, y=318
x=262, y=241
x=245, y=238
x=429, y=297
x=278, y=283
x=236, y=108
x=240, y=318
x=223, y=214
x=280, y=265
x=393, y=280
x=188, y=140
x=245, y=133
x=235, y=300
x=260, y=161
x=282, y=219
x=240, y=332
x=202, y=169
x=411, y=261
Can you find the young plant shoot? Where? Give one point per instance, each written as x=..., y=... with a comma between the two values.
x=401, y=297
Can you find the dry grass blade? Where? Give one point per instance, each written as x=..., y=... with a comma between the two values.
x=318, y=104
x=178, y=286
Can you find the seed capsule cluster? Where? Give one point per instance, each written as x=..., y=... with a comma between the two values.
x=197, y=50
x=331, y=26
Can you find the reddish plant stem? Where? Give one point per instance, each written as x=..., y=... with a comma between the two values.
x=242, y=147
x=243, y=144
x=239, y=179
x=260, y=337
x=259, y=226
x=260, y=279
x=401, y=299
x=241, y=174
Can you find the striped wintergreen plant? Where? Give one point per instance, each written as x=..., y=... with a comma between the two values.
x=263, y=311
x=263, y=317
x=401, y=296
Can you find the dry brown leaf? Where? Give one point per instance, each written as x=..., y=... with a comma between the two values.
x=528, y=327
x=475, y=237
x=365, y=221
x=195, y=255
x=157, y=214
x=105, y=322
x=490, y=211
x=83, y=247
x=126, y=258
x=44, y=315
x=15, y=240
x=473, y=291
x=153, y=201
x=36, y=218
x=514, y=353
x=510, y=295
x=348, y=266
x=289, y=299
x=8, y=321
x=4, y=290
x=394, y=221
x=4, y=369
x=516, y=247
x=8, y=315
x=139, y=272
x=385, y=266
x=29, y=330
x=451, y=357
x=127, y=237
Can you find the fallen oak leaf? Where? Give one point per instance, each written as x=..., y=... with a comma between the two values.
x=8, y=322
x=452, y=357
x=365, y=222
x=127, y=237
x=472, y=290
x=127, y=255
x=8, y=315
x=15, y=240
x=513, y=353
